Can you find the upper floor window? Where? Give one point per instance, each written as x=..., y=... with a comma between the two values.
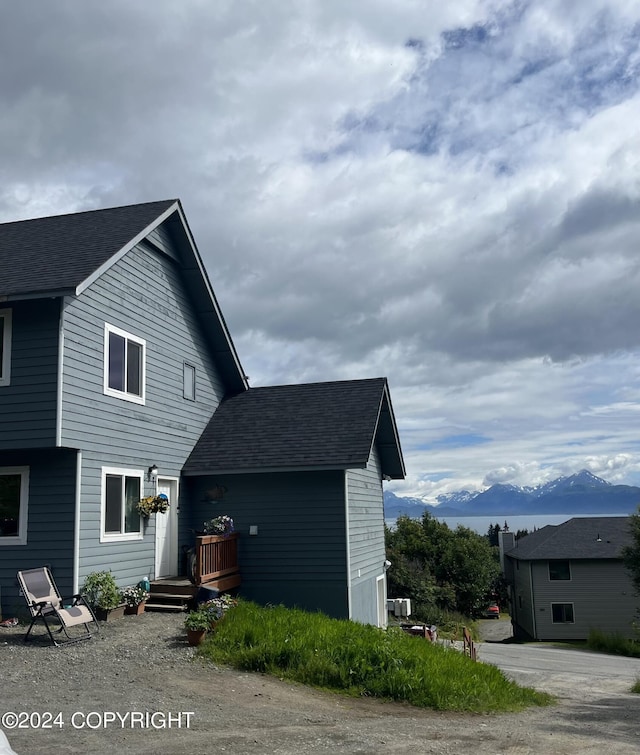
x=121, y=492
x=5, y=346
x=559, y=570
x=124, y=365
x=14, y=495
x=189, y=381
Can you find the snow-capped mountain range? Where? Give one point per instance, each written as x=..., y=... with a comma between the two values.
x=581, y=493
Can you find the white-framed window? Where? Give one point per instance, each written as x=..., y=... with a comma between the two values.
x=14, y=497
x=189, y=381
x=562, y=613
x=121, y=491
x=5, y=346
x=124, y=365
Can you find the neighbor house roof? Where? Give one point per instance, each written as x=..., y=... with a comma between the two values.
x=64, y=254
x=578, y=538
x=331, y=425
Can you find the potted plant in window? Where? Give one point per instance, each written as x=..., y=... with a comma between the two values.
x=103, y=595
x=135, y=598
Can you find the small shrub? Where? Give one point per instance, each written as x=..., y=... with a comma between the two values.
x=636, y=686
x=100, y=590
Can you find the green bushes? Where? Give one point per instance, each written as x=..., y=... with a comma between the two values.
x=362, y=660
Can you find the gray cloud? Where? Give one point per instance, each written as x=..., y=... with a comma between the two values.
x=459, y=213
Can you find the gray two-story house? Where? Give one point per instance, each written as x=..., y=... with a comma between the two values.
x=119, y=379
x=569, y=579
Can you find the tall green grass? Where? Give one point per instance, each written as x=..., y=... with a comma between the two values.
x=361, y=660
x=614, y=644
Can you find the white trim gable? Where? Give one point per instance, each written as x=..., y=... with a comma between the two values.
x=126, y=248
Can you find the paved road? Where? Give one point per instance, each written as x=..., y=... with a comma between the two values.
x=569, y=673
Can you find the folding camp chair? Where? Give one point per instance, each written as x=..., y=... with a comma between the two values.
x=45, y=603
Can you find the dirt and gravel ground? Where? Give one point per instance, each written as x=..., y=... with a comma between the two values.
x=143, y=664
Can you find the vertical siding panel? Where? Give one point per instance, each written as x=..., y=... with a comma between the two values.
x=366, y=538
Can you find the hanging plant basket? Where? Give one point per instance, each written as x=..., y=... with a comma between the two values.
x=153, y=504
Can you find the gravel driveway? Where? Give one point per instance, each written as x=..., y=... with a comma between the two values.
x=142, y=665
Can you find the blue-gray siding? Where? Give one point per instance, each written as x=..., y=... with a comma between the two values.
x=366, y=538
x=298, y=558
x=600, y=591
x=28, y=404
x=142, y=294
x=51, y=510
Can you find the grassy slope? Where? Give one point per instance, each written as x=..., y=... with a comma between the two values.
x=362, y=660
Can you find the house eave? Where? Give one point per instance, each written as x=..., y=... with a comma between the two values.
x=275, y=469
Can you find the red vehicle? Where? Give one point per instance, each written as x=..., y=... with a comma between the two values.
x=492, y=612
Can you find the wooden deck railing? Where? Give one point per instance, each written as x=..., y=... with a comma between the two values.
x=216, y=556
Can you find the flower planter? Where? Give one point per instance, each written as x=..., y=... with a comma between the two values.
x=135, y=610
x=196, y=636
x=109, y=614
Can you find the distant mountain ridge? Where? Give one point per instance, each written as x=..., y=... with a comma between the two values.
x=581, y=493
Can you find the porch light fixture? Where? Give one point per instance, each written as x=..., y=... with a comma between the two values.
x=152, y=473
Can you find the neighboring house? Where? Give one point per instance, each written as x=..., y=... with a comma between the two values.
x=114, y=360
x=568, y=579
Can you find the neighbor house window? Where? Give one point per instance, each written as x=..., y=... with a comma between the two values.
x=121, y=491
x=124, y=365
x=559, y=570
x=5, y=346
x=562, y=613
x=189, y=382
x=14, y=495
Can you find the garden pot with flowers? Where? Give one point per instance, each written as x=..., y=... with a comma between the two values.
x=206, y=617
x=219, y=525
x=135, y=599
x=197, y=624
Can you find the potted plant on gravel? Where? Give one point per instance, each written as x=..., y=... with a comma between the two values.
x=102, y=593
x=135, y=598
x=197, y=623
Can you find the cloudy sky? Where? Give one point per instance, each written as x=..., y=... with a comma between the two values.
x=445, y=193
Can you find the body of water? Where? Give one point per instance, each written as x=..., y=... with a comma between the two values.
x=529, y=522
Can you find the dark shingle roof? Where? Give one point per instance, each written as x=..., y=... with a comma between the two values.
x=310, y=426
x=58, y=253
x=580, y=537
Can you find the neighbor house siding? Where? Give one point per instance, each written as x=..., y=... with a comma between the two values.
x=523, y=608
x=600, y=591
x=28, y=404
x=51, y=509
x=366, y=538
x=298, y=557
x=143, y=295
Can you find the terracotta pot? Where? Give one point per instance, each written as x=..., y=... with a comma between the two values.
x=195, y=636
x=135, y=610
x=110, y=614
